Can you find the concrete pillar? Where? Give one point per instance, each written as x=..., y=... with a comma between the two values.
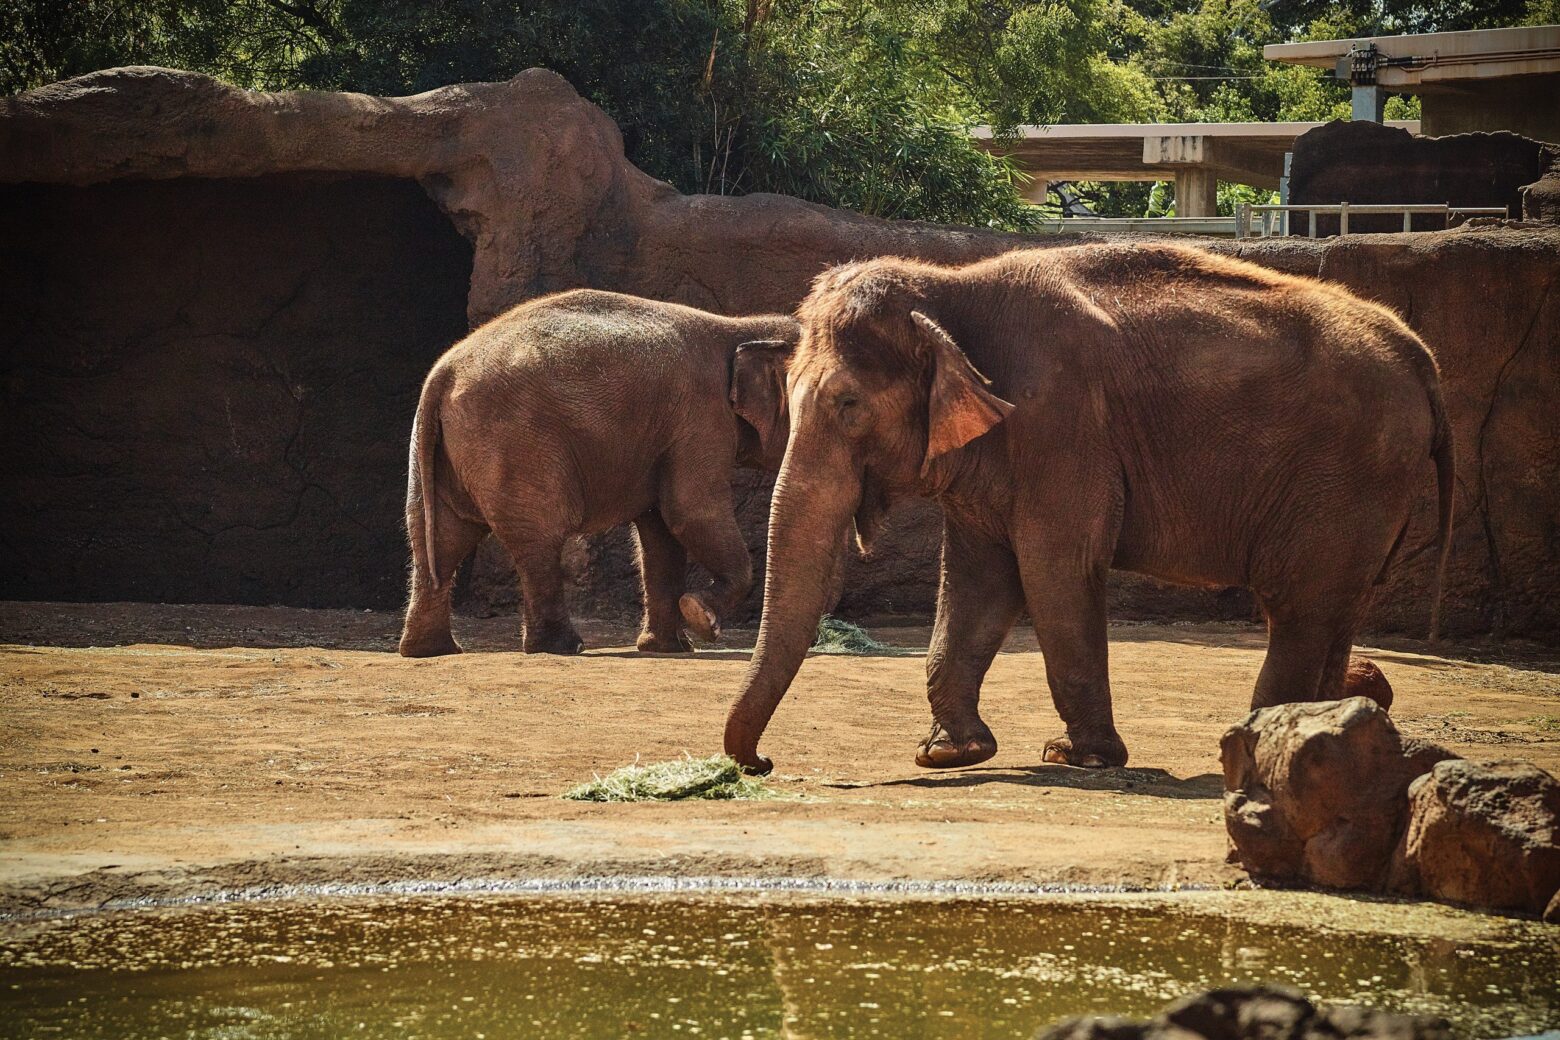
x=1370, y=104
x=1196, y=192
x=1036, y=190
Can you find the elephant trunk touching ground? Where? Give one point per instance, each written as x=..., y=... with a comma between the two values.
x=808, y=517
x=1148, y=408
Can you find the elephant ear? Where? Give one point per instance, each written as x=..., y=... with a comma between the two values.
x=961, y=405
x=758, y=390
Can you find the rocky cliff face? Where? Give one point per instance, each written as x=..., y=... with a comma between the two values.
x=1360, y=162
x=533, y=180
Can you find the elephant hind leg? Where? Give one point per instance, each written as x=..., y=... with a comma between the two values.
x=426, y=629
x=1297, y=654
x=1308, y=652
x=547, y=627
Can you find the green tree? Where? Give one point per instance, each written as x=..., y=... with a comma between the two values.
x=864, y=104
x=253, y=43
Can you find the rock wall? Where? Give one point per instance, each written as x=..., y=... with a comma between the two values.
x=1360, y=162
x=534, y=179
x=202, y=380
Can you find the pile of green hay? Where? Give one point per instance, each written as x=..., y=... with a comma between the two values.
x=842, y=637
x=714, y=778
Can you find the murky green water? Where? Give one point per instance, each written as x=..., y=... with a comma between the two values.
x=746, y=966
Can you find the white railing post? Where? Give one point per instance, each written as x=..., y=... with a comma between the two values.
x=1343, y=219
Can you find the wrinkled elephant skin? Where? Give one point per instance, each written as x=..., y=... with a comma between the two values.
x=579, y=412
x=1149, y=408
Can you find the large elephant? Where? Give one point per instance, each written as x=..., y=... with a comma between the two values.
x=1151, y=408
x=577, y=412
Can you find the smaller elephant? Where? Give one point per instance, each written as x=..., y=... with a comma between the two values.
x=577, y=412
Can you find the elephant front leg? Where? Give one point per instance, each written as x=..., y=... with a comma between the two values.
x=977, y=603
x=701, y=519
x=1069, y=618
x=663, y=567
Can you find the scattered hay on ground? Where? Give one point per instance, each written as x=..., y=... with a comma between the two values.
x=841, y=637
x=715, y=778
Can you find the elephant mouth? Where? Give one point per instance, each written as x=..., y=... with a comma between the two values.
x=871, y=511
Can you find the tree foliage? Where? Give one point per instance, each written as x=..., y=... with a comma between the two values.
x=864, y=104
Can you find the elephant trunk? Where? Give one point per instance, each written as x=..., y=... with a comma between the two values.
x=808, y=517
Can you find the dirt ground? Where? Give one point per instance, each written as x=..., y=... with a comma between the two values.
x=174, y=751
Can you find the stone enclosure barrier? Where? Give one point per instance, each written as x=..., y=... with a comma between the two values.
x=1328, y=793
x=217, y=306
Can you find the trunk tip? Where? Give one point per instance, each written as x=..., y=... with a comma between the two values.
x=745, y=753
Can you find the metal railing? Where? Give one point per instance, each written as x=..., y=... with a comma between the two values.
x=1220, y=226
x=1245, y=210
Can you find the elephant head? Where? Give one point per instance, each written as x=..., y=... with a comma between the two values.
x=880, y=396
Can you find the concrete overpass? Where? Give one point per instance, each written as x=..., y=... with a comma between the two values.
x=1194, y=155
x=1479, y=79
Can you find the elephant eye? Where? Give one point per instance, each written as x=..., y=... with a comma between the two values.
x=849, y=401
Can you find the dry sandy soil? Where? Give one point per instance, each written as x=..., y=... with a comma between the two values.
x=182, y=751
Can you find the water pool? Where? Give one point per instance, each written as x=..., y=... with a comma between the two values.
x=747, y=965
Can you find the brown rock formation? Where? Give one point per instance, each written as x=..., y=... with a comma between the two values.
x=1263, y=1012
x=289, y=495
x=1485, y=834
x=1541, y=199
x=1315, y=792
x=1329, y=794
x=1362, y=162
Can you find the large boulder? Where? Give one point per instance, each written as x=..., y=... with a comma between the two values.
x=1541, y=199
x=1329, y=793
x=1254, y=1013
x=1486, y=834
x=1315, y=792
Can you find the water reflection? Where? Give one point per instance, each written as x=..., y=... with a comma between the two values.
x=728, y=967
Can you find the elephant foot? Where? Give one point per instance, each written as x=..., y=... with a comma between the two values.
x=554, y=639
x=942, y=750
x=1364, y=679
x=429, y=646
x=1088, y=752
x=701, y=620
x=650, y=643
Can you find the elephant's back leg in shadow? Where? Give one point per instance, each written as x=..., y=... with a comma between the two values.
x=663, y=572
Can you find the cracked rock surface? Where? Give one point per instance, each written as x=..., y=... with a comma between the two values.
x=1330, y=794
x=1484, y=834
x=1315, y=793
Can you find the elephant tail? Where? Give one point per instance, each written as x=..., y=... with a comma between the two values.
x=1441, y=450
x=425, y=449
